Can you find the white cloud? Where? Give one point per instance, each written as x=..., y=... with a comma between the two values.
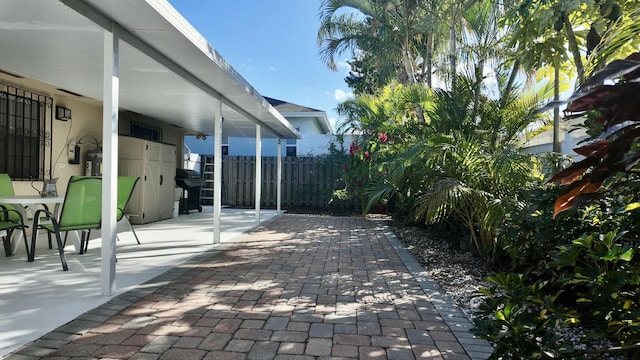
x=273, y=68
x=342, y=95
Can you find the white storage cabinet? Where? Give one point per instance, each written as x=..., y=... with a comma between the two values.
x=155, y=164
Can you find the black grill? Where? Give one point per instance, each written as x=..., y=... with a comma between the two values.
x=191, y=183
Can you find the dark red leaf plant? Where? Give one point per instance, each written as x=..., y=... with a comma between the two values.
x=613, y=97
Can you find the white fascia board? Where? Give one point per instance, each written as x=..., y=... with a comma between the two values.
x=184, y=27
x=321, y=117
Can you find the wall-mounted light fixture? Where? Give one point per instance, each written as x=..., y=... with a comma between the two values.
x=62, y=113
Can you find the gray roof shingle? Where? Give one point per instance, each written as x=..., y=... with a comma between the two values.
x=287, y=107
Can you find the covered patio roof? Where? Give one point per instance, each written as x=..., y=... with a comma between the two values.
x=167, y=70
x=140, y=56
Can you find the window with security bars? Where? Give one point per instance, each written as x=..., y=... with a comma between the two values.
x=25, y=134
x=145, y=131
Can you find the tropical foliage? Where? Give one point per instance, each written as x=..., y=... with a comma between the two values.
x=593, y=280
x=446, y=92
x=615, y=151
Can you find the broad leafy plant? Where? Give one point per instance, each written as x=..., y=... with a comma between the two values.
x=581, y=267
x=521, y=318
x=601, y=277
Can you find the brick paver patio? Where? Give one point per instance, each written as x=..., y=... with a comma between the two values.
x=298, y=287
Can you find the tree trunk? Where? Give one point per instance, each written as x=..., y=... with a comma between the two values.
x=503, y=100
x=429, y=59
x=510, y=82
x=452, y=51
x=573, y=48
x=556, y=111
x=477, y=88
x=408, y=65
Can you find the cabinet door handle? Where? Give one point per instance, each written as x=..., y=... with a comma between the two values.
x=161, y=179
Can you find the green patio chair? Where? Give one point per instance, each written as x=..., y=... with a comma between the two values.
x=6, y=189
x=126, y=185
x=10, y=215
x=80, y=211
x=11, y=220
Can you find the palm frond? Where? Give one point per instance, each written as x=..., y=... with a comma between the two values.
x=439, y=201
x=377, y=192
x=620, y=40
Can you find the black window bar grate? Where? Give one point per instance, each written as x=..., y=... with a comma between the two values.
x=145, y=131
x=26, y=120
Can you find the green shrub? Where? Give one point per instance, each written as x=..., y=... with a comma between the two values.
x=521, y=317
x=529, y=234
x=594, y=282
x=600, y=275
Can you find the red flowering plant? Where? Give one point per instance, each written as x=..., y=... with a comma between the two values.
x=354, y=148
x=366, y=164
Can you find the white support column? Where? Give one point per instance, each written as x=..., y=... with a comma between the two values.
x=217, y=170
x=279, y=177
x=111, y=89
x=258, y=179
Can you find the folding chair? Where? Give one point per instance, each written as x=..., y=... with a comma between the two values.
x=126, y=185
x=11, y=220
x=81, y=210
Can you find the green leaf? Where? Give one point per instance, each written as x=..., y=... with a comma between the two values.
x=486, y=291
x=632, y=206
x=508, y=309
x=585, y=241
x=627, y=255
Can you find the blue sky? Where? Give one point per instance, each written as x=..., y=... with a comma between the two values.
x=272, y=44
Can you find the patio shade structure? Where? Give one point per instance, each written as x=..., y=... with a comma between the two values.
x=135, y=55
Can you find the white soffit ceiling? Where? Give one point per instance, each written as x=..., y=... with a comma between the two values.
x=167, y=69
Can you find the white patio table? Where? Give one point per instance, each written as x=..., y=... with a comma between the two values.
x=22, y=202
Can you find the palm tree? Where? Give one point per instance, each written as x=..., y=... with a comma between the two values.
x=452, y=11
x=386, y=29
x=483, y=39
x=550, y=32
x=443, y=170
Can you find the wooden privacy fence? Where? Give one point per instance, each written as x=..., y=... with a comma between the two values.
x=306, y=182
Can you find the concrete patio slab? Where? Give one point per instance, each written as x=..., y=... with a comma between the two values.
x=38, y=297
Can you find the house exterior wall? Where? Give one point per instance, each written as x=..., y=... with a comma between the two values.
x=570, y=138
x=308, y=145
x=306, y=125
x=85, y=124
x=85, y=120
x=247, y=146
x=318, y=144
